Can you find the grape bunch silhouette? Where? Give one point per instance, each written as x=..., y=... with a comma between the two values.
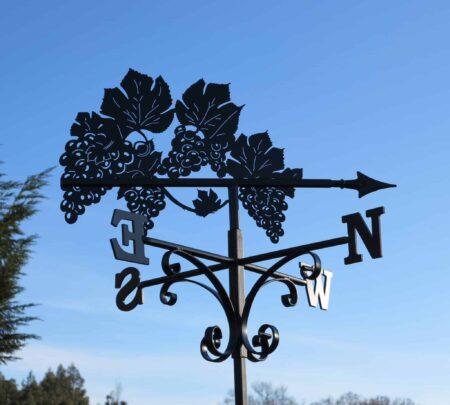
x=204, y=136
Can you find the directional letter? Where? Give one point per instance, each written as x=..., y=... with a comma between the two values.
x=138, y=221
x=315, y=290
x=372, y=241
x=128, y=288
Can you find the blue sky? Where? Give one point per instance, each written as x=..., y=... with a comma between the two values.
x=342, y=86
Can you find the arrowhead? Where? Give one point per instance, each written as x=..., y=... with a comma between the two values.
x=368, y=185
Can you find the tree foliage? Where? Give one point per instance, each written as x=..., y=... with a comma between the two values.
x=266, y=394
x=114, y=397
x=351, y=398
x=63, y=387
x=18, y=202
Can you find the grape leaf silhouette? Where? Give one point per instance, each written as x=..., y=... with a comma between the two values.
x=255, y=157
x=146, y=104
x=209, y=110
x=206, y=203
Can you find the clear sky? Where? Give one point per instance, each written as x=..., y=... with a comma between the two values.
x=342, y=86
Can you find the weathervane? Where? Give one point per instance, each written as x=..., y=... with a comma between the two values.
x=101, y=156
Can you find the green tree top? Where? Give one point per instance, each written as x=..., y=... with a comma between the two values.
x=63, y=387
x=18, y=202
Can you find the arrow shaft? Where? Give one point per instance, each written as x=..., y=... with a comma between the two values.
x=203, y=182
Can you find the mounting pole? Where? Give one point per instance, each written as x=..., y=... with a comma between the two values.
x=237, y=295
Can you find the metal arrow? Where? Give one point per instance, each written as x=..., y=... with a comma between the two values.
x=363, y=184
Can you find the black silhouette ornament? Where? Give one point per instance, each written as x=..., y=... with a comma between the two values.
x=104, y=153
x=203, y=137
x=144, y=106
x=207, y=203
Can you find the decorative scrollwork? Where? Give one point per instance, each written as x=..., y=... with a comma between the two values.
x=314, y=271
x=212, y=340
x=290, y=299
x=205, y=136
x=267, y=338
x=268, y=342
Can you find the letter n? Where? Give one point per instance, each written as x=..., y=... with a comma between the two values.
x=372, y=240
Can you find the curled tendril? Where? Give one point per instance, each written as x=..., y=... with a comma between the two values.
x=288, y=300
x=169, y=268
x=267, y=338
x=167, y=297
x=212, y=340
x=311, y=272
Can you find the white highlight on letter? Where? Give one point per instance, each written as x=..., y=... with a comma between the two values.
x=317, y=291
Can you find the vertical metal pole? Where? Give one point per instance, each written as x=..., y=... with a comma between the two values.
x=237, y=295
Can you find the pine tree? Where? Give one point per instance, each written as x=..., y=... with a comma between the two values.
x=9, y=393
x=65, y=387
x=18, y=202
x=31, y=391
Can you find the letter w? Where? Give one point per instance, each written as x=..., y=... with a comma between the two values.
x=317, y=292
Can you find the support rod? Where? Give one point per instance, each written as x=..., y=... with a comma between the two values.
x=193, y=251
x=294, y=250
x=184, y=274
x=217, y=267
x=224, y=261
x=237, y=296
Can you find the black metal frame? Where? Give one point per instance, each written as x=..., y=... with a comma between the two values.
x=236, y=305
x=102, y=156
